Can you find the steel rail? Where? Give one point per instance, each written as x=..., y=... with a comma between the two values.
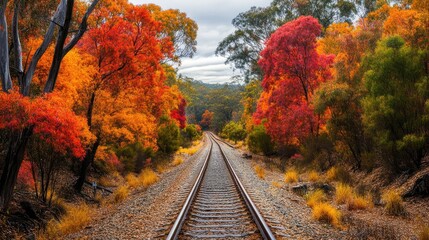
x=177, y=226
x=257, y=217
x=263, y=227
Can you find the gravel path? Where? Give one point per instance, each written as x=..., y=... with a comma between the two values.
x=286, y=213
x=149, y=213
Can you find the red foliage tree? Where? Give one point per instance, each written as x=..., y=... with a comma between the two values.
x=293, y=69
x=180, y=114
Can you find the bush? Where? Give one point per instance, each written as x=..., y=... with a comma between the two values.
x=260, y=171
x=324, y=212
x=133, y=156
x=291, y=176
x=192, y=132
x=234, y=131
x=168, y=136
x=259, y=141
x=393, y=203
x=338, y=174
x=315, y=197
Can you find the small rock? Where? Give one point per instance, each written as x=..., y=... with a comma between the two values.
x=300, y=189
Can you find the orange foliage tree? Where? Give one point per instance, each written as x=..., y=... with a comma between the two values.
x=206, y=119
x=127, y=95
x=293, y=69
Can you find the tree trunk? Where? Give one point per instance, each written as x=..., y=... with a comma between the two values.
x=87, y=161
x=14, y=158
x=4, y=49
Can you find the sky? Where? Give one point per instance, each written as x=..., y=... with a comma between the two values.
x=214, y=19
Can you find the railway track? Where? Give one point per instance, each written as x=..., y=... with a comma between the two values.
x=218, y=206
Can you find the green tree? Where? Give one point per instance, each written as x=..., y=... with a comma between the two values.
x=396, y=106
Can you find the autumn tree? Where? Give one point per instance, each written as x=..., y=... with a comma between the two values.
x=59, y=26
x=206, y=119
x=293, y=69
x=128, y=93
x=395, y=109
x=254, y=27
x=181, y=30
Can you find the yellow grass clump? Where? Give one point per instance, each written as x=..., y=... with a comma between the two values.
x=313, y=176
x=75, y=219
x=121, y=193
x=359, y=203
x=177, y=160
x=343, y=193
x=132, y=180
x=315, y=198
x=106, y=182
x=424, y=233
x=291, y=176
x=324, y=212
x=148, y=177
x=260, y=171
x=276, y=184
x=394, y=204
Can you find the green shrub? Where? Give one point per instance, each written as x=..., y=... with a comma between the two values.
x=233, y=131
x=259, y=141
x=168, y=136
x=192, y=132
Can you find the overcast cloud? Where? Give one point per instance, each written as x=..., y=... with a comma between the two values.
x=214, y=22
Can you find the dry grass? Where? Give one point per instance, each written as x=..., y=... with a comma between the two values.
x=177, y=160
x=260, y=171
x=394, y=204
x=148, y=177
x=132, y=180
x=315, y=198
x=277, y=184
x=196, y=145
x=107, y=182
x=313, y=176
x=359, y=203
x=338, y=174
x=424, y=233
x=324, y=212
x=291, y=176
x=161, y=168
x=74, y=220
x=343, y=193
x=121, y=193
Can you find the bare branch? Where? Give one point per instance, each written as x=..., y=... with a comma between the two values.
x=82, y=28
x=58, y=17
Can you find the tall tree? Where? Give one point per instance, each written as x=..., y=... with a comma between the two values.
x=60, y=21
x=395, y=109
x=293, y=69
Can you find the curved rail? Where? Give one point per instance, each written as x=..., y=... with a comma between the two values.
x=263, y=228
